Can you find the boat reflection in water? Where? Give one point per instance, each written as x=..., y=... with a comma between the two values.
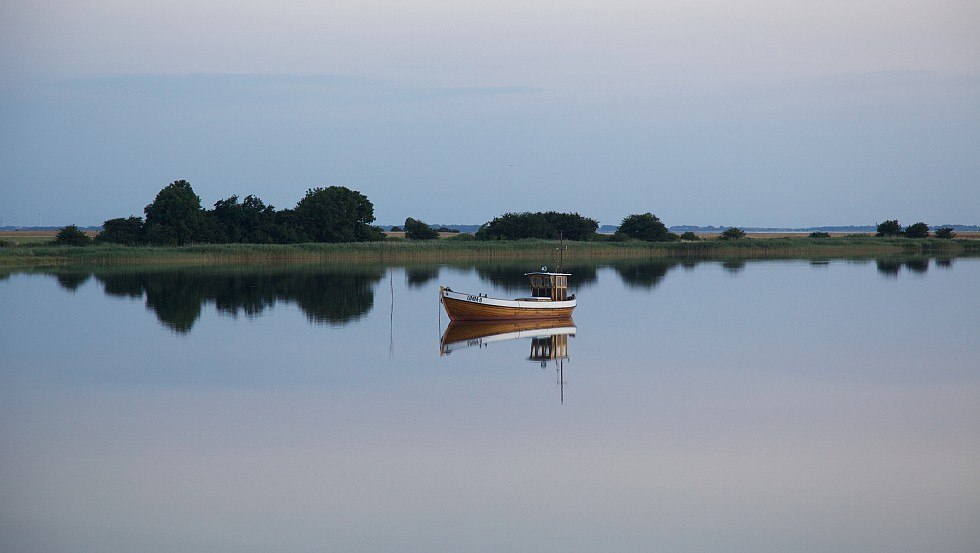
x=549, y=339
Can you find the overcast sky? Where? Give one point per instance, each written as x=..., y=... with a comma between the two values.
x=751, y=113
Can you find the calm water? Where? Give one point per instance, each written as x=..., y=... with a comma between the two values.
x=758, y=406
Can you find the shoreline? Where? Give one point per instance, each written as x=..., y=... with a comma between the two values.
x=437, y=251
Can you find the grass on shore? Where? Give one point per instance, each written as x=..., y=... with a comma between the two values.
x=457, y=250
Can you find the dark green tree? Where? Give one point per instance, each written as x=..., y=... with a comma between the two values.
x=918, y=230
x=690, y=235
x=175, y=217
x=548, y=225
x=417, y=230
x=337, y=214
x=71, y=236
x=128, y=231
x=732, y=233
x=889, y=229
x=250, y=221
x=646, y=227
x=945, y=233
x=818, y=234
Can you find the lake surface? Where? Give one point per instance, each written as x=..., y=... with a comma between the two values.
x=742, y=406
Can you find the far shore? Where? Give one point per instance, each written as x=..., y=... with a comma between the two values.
x=33, y=250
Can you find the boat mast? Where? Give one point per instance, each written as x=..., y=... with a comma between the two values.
x=561, y=249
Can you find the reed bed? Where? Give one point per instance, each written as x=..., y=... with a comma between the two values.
x=447, y=251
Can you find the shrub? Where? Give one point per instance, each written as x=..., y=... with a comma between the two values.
x=462, y=237
x=547, y=225
x=690, y=236
x=918, y=230
x=71, y=236
x=889, y=229
x=732, y=233
x=646, y=227
x=945, y=233
x=417, y=230
x=122, y=231
x=819, y=235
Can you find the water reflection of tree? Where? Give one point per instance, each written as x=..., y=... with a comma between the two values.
x=418, y=277
x=71, y=281
x=733, y=265
x=178, y=295
x=645, y=274
x=891, y=267
x=918, y=265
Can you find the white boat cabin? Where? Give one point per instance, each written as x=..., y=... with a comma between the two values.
x=549, y=286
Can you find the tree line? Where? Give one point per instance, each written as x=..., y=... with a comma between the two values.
x=892, y=229
x=339, y=214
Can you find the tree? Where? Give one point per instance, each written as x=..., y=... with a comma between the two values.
x=175, y=217
x=417, y=230
x=889, y=229
x=250, y=221
x=945, y=233
x=918, y=230
x=732, y=233
x=818, y=234
x=646, y=227
x=337, y=214
x=690, y=235
x=71, y=236
x=127, y=231
x=548, y=225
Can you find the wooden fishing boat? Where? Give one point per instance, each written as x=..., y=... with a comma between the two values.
x=549, y=299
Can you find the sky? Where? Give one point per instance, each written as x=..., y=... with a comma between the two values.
x=704, y=112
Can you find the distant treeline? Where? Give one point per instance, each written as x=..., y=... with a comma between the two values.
x=333, y=214
x=338, y=214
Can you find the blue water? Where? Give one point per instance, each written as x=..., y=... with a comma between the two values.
x=756, y=406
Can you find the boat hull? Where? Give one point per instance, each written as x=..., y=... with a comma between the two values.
x=469, y=307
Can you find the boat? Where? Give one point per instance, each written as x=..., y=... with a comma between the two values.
x=549, y=299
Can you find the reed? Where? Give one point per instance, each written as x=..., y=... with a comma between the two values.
x=447, y=251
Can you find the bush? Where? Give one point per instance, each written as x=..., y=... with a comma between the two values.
x=397, y=228
x=462, y=237
x=690, y=236
x=646, y=227
x=819, y=235
x=71, y=236
x=945, y=233
x=889, y=229
x=548, y=225
x=122, y=231
x=417, y=230
x=732, y=233
x=918, y=230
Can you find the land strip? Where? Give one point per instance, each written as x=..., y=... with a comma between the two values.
x=444, y=251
